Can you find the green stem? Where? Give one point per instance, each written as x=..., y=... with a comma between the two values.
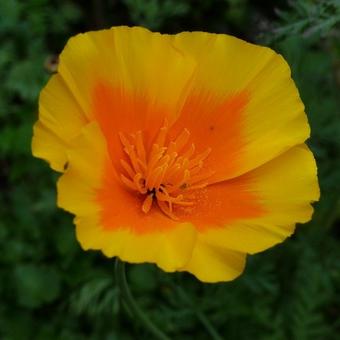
x=130, y=301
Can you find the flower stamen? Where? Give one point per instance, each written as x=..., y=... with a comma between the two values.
x=168, y=173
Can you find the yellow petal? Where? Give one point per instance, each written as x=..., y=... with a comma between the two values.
x=58, y=109
x=272, y=121
x=169, y=250
x=60, y=120
x=46, y=145
x=285, y=187
x=77, y=187
x=133, y=60
x=215, y=264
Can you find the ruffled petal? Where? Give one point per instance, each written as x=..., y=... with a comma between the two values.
x=243, y=94
x=169, y=250
x=132, y=60
x=60, y=120
x=285, y=188
x=215, y=264
x=46, y=145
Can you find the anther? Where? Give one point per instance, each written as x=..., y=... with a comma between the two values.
x=168, y=173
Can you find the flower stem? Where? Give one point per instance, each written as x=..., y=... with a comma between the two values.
x=130, y=301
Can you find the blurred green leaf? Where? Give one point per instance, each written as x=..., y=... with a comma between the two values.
x=152, y=13
x=36, y=285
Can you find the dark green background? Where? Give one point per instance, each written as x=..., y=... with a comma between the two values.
x=51, y=289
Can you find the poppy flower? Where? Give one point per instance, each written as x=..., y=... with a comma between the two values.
x=182, y=150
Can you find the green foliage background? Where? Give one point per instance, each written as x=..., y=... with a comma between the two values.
x=51, y=289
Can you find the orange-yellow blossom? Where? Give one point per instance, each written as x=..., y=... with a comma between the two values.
x=182, y=150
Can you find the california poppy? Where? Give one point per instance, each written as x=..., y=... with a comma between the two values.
x=182, y=150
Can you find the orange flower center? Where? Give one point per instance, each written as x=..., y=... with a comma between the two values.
x=167, y=173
